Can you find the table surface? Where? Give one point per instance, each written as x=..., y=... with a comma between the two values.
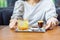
x=7, y=34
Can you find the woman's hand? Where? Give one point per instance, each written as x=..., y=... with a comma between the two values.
x=12, y=24
x=51, y=23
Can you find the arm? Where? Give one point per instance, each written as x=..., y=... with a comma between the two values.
x=50, y=11
x=17, y=14
x=51, y=16
x=18, y=10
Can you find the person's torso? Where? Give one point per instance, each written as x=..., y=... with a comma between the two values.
x=34, y=12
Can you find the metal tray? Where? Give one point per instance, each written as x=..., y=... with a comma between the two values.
x=32, y=30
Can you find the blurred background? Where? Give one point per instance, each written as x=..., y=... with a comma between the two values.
x=7, y=6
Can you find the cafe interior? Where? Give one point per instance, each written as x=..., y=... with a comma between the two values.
x=6, y=11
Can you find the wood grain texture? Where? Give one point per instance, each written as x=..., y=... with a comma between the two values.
x=7, y=34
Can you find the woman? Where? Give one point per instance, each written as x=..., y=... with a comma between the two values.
x=35, y=10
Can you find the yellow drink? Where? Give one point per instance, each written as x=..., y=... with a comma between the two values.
x=22, y=24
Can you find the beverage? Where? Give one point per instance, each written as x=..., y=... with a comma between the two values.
x=22, y=24
x=40, y=24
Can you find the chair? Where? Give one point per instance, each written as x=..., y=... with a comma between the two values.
x=7, y=11
x=57, y=3
x=3, y=4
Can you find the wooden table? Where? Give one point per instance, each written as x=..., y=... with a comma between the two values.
x=7, y=34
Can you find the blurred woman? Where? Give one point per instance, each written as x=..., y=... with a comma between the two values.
x=33, y=11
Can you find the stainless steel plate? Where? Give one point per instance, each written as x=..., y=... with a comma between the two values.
x=32, y=30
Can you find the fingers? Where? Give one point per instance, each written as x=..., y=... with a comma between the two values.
x=48, y=26
x=13, y=24
x=52, y=25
